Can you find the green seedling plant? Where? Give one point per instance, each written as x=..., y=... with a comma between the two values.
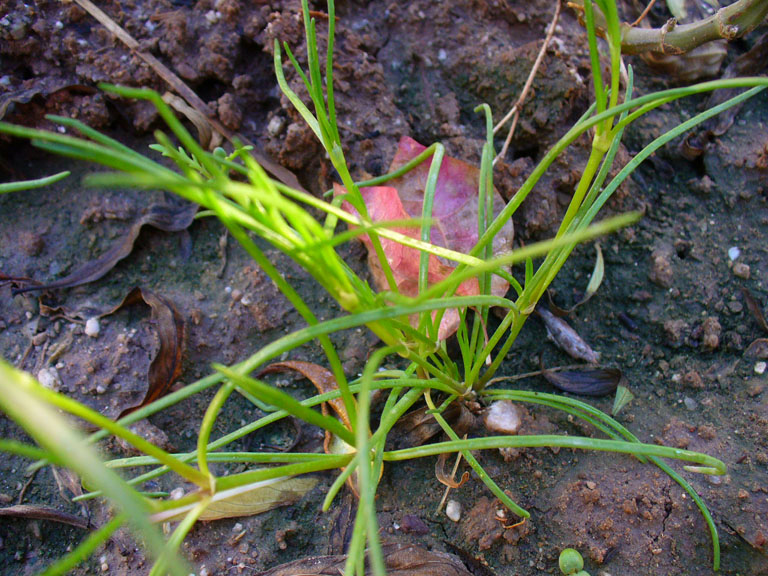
x=256, y=209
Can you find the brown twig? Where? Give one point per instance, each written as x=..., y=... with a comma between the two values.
x=514, y=113
x=644, y=14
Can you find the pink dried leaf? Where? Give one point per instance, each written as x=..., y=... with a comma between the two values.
x=455, y=225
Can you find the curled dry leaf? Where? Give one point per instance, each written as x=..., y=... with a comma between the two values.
x=589, y=381
x=165, y=367
x=399, y=559
x=566, y=338
x=419, y=426
x=322, y=378
x=446, y=478
x=454, y=218
x=163, y=217
x=247, y=500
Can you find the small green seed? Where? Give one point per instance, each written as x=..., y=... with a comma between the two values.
x=571, y=561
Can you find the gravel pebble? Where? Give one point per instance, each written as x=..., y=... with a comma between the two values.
x=453, y=510
x=92, y=327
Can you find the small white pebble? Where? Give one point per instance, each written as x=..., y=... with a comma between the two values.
x=204, y=571
x=442, y=55
x=100, y=389
x=49, y=378
x=760, y=367
x=502, y=417
x=58, y=25
x=212, y=16
x=92, y=327
x=237, y=527
x=176, y=493
x=453, y=510
x=275, y=125
x=690, y=403
x=733, y=253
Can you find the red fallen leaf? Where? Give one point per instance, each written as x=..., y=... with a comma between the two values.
x=455, y=224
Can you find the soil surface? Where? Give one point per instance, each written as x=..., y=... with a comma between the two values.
x=671, y=313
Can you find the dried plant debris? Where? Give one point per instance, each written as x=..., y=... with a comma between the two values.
x=165, y=367
x=751, y=63
x=322, y=378
x=168, y=218
x=399, y=559
x=39, y=512
x=247, y=500
x=419, y=426
x=566, y=338
x=587, y=381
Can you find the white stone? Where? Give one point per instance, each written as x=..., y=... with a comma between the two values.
x=92, y=327
x=734, y=252
x=275, y=125
x=760, y=367
x=453, y=510
x=502, y=417
x=49, y=378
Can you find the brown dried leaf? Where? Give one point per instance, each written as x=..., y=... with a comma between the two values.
x=165, y=367
x=444, y=477
x=566, y=338
x=322, y=378
x=755, y=309
x=590, y=381
x=400, y=560
x=37, y=512
x=163, y=217
x=419, y=426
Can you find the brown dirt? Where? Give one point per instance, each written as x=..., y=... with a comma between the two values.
x=670, y=312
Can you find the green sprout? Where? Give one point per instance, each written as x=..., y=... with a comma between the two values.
x=570, y=562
